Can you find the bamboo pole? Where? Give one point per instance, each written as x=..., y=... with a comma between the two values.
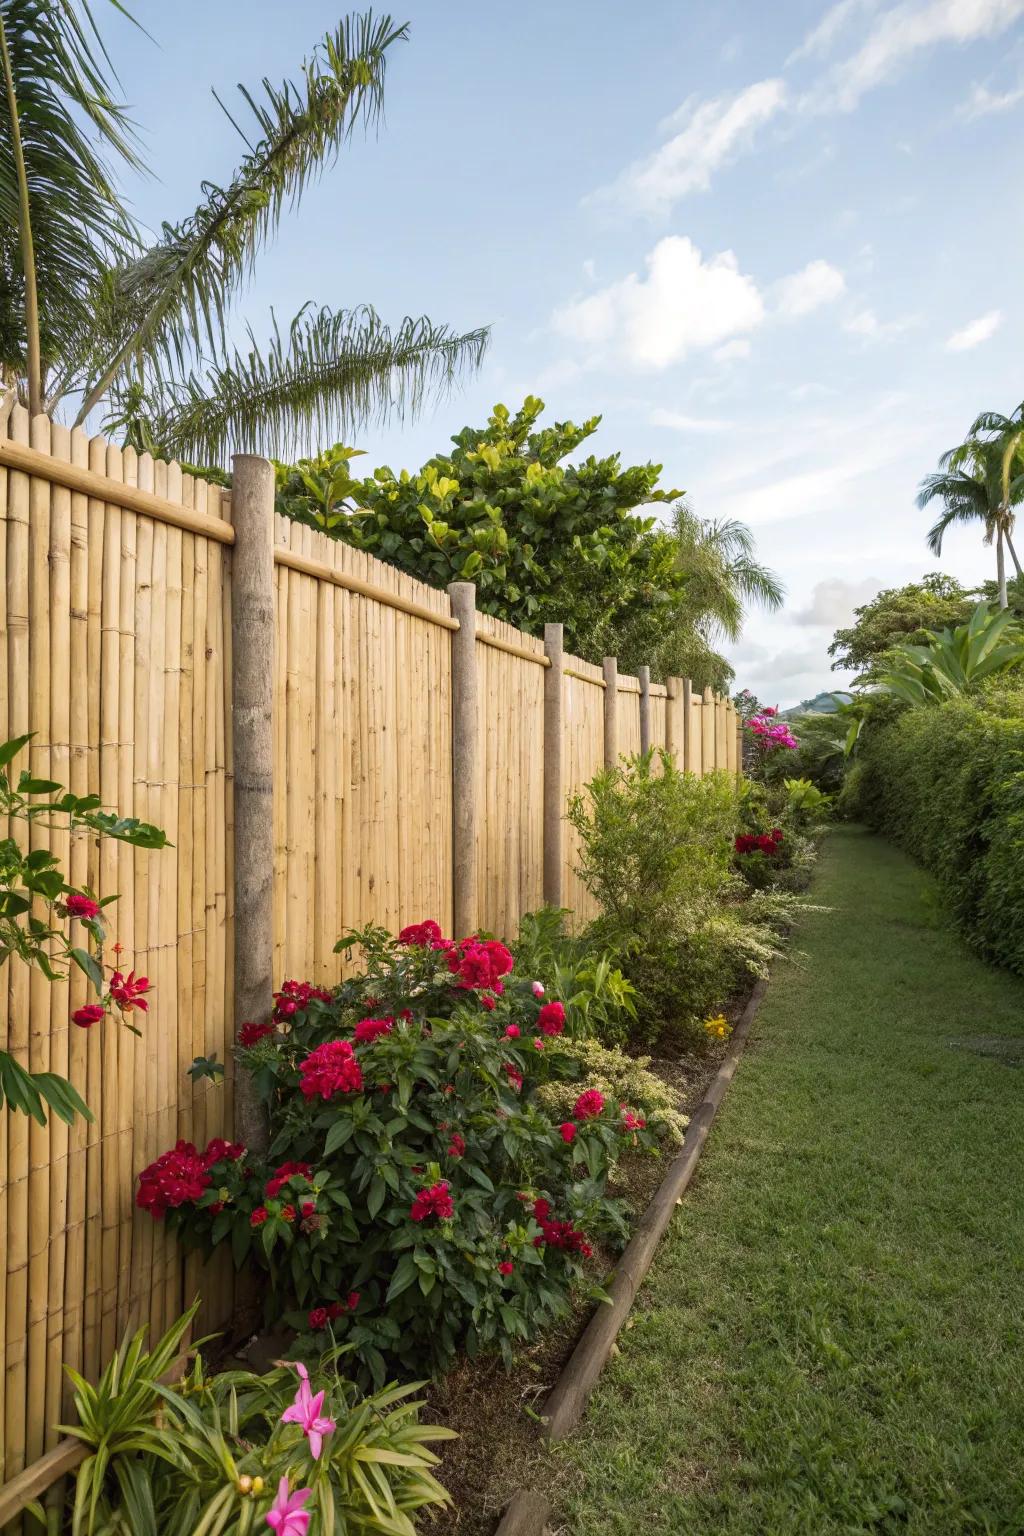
x=252, y=649
x=611, y=720
x=644, y=676
x=675, y=721
x=691, y=749
x=464, y=753
x=554, y=807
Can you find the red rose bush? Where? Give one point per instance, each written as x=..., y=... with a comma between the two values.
x=419, y=1198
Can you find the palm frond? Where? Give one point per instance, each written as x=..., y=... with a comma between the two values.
x=324, y=379
x=182, y=287
x=68, y=122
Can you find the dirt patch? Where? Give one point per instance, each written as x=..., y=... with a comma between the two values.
x=1006, y=1049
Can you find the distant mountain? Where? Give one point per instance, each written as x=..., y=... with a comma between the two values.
x=821, y=704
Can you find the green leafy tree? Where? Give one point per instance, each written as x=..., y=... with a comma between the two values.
x=982, y=480
x=897, y=615
x=91, y=311
x=543, y=540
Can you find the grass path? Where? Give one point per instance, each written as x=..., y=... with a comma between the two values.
x=832, y=1337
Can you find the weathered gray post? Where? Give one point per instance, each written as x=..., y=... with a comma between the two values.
x=464, y=733
x=553, y=793
x=611, y=718
x=252, y=709
x=644, y=674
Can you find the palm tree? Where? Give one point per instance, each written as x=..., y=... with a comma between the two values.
x=94, y=314
x=982, y=480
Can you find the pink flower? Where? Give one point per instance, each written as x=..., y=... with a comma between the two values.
x=568, y=1132
x=486, y=1001
x=632, y=1121
x=368, y=1030
x=330, y=1069
x=515, y=1078
x=505, y=1267
x=513, y=1032
x=457, y=1146
x=287, y=1516
x=89, y=1014
x=435, y=1201
x=77, y=905
x=425, y=935
x=589, y=1105
x=127, y=991
x=551, y=1019
x=537, y=988
x=538, y=1043
x=305, y=1410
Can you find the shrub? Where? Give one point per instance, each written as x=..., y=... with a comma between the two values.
x=622, y=1079
x=418, y=1199
x=599, y=999
x=947, y=783
x=655, y=850
x=219, y=1453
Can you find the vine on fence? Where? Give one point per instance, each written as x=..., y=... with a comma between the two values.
x=37, y=910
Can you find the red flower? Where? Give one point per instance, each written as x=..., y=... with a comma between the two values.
x=251, y=1034
x=457, y=1146
x=258, y=1216
x=77, y=905
x=318, y=1319
x=551, y=1019
x=308, y=1208
x=515, y=1078
x=280, y=1176
x=91, y=1013
x=177, y=1177
x=127, y=991
x=218, y=1150
x=513, y=1032
x=589, y=1105
x=542, y=1209
x=480, y=963
x=421, y=935
x=568, y=1132
x=295, y=995
x=406, y=1015
x=506, y=1267
x=486, y=1001
x=330, y=1069
x=368, y=1030
x=435, y=1201
x=288, y=1213
x=631, y=1121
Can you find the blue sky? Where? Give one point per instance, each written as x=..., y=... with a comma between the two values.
x=777, y=247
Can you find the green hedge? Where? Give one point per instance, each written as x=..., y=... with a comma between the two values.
x=947, y=784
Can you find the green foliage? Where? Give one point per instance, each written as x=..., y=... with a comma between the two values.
x=946, y=782
x=956, y=661
x=544, y=541
x=622, y=1078
x=820, y=754
x=896, y=616
x=656, y=852
x=807, y=805
x=407, y=1200
x=34, y=909
x=206, y=1454
x=599, y=1000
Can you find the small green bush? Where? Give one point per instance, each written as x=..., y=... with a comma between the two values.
x=946, y=782
x=621, y=1078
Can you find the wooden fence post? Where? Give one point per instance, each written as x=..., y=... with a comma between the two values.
x=611, y=717
x=721, y=759
x=707, y=732
x=739, y=747
x=252, y=710
x=675, y=728
x=464, y=733
x=554, y=809
x=691, y=760
x=644, y=676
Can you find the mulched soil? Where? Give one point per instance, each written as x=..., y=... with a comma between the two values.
x=495, y=1412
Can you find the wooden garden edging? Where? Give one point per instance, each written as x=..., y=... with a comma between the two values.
x=528, y=1512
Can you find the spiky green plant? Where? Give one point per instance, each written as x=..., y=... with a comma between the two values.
x=957, y=661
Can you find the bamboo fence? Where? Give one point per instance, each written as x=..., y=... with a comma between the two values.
x=115, y=611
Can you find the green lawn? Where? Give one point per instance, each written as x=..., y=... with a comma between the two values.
x=832, y=1336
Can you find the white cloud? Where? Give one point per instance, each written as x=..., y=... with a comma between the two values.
x=821, y=39
x=833, y=601
x=906, y=29
x=681, y=423
x=866, y=324
x=590, y=268
x=983, y=103
x=684, y=303
x=732, y=351
x=975, y=332
x=816, y=284
x=711, y=134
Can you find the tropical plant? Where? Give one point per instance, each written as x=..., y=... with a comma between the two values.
x=35, y=904
x=418, y=1200
x=897, y=616
x=956, y=661
x=219, y=1454
x=806, y=803
x=982, y=480
x=92, y=313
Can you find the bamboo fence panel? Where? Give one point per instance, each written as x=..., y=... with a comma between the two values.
x=510, y=777
x=583, y=728
x=629, y=716
x=659, y=716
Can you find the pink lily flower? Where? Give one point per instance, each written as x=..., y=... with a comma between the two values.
x=306, y=1411
x=287, y=1516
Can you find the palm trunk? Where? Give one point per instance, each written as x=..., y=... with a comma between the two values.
x=1013, y=555
x=1001, y=570
x=28, y=255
